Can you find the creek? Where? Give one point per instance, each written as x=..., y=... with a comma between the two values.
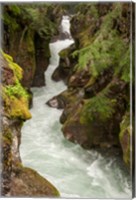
x=74, y=171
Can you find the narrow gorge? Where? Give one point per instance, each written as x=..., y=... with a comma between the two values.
x=69, y=78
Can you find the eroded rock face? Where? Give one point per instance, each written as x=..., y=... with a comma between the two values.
x=17, y=181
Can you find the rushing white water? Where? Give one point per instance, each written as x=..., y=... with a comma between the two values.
x=74, y=171
x=65, y=24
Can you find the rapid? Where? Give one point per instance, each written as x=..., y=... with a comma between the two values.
x=74, y=171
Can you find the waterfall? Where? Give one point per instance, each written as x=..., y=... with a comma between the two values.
x=74, y=171
x=65, y=25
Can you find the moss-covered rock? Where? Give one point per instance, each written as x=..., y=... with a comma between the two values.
x=16, y=179
x=125, y=137
x=27, y=182
x=101, y=72
x=16, y=108
x=66, y=64
x=15, y=97
x=68, y=97
x=19, y=41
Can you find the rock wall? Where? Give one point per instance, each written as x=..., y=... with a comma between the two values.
x=17, y=180
x=98, y=78
x=28, y=29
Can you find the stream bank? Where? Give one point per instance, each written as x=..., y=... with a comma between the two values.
x=96, y=99
x=76, y=172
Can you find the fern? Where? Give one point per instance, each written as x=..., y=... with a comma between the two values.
x=124, y=67
x=105, y=50
x=35, y=17
x=98, y=107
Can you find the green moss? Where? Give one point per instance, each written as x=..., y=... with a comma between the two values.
x=65, y=53
x=28, y=38
x=15, y=96
x=16, y=107
x=18, y=72
x=33, y=184
x=7, y=137
x=16, y=90
x=6, y=147
x=125, y=136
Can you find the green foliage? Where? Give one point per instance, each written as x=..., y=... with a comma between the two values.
x=10, y=20
x=18, y=72
x=98, y=107
x=31, y=16
x=15, y=97
x=106, y=49
x=15, y=10
x=87, y=9
x=107, y=24
x=97, y=56
x=16, y=89
x=123, y=67
x=39, y=21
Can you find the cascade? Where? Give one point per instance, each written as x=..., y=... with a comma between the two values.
x=75, y=172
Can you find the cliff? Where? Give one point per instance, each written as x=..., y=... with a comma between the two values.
x=97, y=72
x=27, y=31
x=17, y=180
